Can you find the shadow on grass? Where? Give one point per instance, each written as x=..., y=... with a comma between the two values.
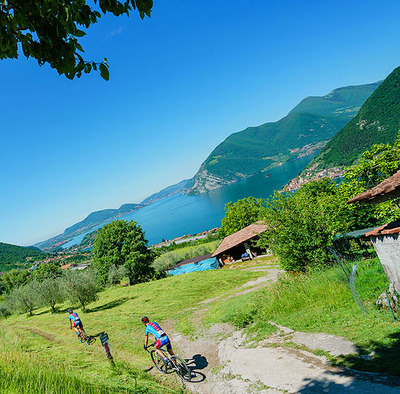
x=196, y=363
x=376, y=358
x=361, y=382
x=109, y=305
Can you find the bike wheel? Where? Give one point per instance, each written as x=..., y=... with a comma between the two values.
x=182, y=370
x=158, y=361
x=85, y=338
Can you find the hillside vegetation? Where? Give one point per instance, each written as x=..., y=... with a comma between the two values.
x=378, y=121
x=45, y=341
x=314, y=120
x=40, y=353
x=13, y=256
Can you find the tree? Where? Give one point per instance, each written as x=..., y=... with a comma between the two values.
x=50, y=292
x=122, y=243
x=302, y=225
x=80, y=287
x=49, y=30
x=46, y=271
x=15, y=278
x=116, y=274
x=241, y=214
x=23, y=298
x=375, y=165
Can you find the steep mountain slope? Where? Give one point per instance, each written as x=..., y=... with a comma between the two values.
x=14, y=256
x=305, y=129
x=378, y=121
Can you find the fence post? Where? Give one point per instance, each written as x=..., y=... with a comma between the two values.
x=104, y=342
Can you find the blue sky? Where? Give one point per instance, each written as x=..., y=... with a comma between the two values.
x=180, y=83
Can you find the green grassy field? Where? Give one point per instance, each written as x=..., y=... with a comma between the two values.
x=323, y=302
x=48, y=355
x=40, y=354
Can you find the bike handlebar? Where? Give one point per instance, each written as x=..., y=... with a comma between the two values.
x=147, y=347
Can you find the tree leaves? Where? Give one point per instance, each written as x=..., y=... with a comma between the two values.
x=104, y=71
x=48, y=30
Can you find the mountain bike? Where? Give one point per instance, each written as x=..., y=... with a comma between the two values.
x=173, y=364
x=83, y=337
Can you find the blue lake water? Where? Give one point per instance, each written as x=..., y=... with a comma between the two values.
x=181, y=214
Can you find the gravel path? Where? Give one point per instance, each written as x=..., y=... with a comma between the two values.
x=225, y=363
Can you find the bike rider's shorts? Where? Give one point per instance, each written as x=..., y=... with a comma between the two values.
x=79, y=324
x=163, y=341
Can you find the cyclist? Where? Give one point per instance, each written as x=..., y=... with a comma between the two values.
x=74, y=321
x=160, y=336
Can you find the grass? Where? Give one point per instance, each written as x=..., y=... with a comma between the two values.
x=41, y=354
x=322, y=302
x=44, y=350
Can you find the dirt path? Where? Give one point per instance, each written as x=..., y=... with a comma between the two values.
x=224, y=362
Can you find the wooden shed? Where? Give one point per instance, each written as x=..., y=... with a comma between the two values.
x=385, y=238
x=238, y=245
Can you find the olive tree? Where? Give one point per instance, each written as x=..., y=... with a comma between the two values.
x=80, y=287
x=50, y=293
x=23, y=298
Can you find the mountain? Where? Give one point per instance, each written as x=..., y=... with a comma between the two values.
x=181, y=187
x=13, y=256
x=306, y=128
x=378, y=121
x=97, y=218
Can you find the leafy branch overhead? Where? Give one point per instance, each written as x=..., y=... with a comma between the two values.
x=49, y=30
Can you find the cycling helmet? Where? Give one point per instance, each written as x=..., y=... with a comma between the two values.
x=145, y=319
x=70, y=310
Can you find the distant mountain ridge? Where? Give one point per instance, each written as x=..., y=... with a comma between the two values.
x=14, y=256
x=305, y=129
x=378, y=121
x=98, y=218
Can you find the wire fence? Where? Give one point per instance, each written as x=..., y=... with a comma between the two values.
x=350, y=255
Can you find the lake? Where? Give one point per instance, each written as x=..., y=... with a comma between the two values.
x=179, y=215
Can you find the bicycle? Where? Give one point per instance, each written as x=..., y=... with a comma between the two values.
x=83, y=337
x=174, y=363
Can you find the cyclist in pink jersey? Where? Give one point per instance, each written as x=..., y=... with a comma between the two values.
x=160, y=336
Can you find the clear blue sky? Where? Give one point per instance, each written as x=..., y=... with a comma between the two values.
x=180, y=83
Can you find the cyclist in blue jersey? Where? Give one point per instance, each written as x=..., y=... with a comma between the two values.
x=160, y=336
x=74, y=321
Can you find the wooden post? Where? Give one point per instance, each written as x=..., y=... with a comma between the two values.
x=104, y=342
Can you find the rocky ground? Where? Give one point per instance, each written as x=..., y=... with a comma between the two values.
x=224, y=361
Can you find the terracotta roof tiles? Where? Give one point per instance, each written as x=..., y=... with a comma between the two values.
x=386, y=190
x=386, y=229
x=240, y=236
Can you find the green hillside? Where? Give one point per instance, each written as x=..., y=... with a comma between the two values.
x=39, y=354
x=42, y=347
x=313, y=121
x=378, y=121
x=13, y=256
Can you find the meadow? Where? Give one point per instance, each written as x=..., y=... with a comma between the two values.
x=41, y=354
x=42, y=351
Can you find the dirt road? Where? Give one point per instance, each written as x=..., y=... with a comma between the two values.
x=284, y=363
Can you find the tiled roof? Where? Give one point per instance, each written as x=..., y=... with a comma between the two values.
x=389, y=188
x=241, y=236
x=386, y=229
